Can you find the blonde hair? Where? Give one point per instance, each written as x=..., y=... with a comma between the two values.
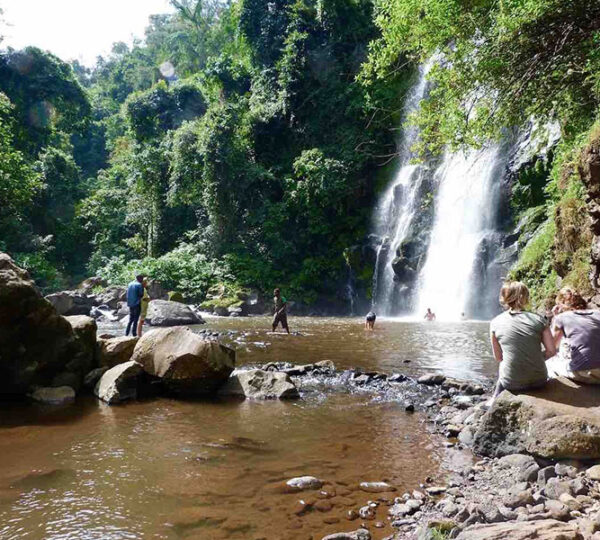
x=514, y=295
x=569, y=299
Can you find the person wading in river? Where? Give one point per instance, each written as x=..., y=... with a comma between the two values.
x=280, y=311
x=135, y=293
x=430, y=315
x=370, y=321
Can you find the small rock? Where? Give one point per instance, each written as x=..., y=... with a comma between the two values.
x=432, y=379
x=435, y=490
x=54, y=396
x=399, y=510
x=593, y=473
x=302, y=483
x=323, y=505
x=555, y=488
x=565, y=470
x=359, y=534
x=520, y=498
x=557, y=510
x=578, y=487
x=376, y=487
x=545, y=474
x=366, y=512
x=351, y=515
x=570, y=501
x=466, y=436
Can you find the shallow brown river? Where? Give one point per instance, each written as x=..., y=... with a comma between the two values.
x=212, y=470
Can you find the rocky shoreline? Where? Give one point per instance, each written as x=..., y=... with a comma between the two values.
x=537, y=475
x=515, y=496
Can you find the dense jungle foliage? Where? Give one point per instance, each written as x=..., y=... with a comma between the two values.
x=234, y=144
x=243, y=142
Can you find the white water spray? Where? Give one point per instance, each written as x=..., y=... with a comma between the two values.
x=464, y=214
x=395, y=211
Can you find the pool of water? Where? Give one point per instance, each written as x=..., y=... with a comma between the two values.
x=214, y=469
x=458, y=349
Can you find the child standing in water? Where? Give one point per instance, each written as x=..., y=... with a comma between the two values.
x=280, y=311
x=370, y=321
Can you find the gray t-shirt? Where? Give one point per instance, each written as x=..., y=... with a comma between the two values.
x=520, y=336
x=582, y=330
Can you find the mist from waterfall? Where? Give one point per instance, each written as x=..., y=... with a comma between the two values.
x=395, y=210
x=465, y=215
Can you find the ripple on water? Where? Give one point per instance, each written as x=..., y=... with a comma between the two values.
x=172, y=469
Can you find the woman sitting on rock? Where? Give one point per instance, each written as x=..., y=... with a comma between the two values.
x=576, y=332
x=517, y=336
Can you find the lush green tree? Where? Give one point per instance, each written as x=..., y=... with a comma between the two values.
x=498, y=63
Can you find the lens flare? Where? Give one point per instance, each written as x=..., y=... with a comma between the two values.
x=167, y=70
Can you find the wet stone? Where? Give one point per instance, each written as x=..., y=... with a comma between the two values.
x=302, y=483
x=376, y=487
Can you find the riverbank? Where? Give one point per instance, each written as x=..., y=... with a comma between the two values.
x=374, y=421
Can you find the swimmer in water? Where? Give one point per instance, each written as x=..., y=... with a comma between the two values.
x=463, y=317
x=370, y=321
x=430, y=315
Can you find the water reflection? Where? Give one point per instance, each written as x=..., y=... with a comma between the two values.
x=213, y=469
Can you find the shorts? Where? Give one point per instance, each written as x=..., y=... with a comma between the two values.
x=371, y=317
x=280, y=318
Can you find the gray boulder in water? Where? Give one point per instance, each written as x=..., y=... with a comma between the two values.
x=167, y=313
x=185, y=362
x=36, y=343
x=111, y=296
x=72, y=302
x=119, y=383
x=259, y=384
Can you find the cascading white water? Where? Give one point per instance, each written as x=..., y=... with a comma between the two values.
x=464, y=215
x=395, y=210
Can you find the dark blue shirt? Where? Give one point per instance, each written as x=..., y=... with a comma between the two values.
x=135, y=291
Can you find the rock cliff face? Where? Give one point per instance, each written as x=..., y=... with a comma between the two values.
x=589, y=171
x=36, y=343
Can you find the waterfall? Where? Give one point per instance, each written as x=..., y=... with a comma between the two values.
x=465, y=217
x=395, y=210
x=437, y=229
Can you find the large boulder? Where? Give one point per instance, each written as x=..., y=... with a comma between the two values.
x=546, y=529
x=166, y=313
x=119, y=383
x=559, y=421
x=83, y=358
x=72, y=302
x=62, y=301
x=111, y=352
x=259, y=384
x=111, y=296
x=185, y=362
x=85, y=329
x=36, y=343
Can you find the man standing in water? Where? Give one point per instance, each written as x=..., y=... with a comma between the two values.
x=370, y=321
x=280, y=311
x=135, y=293
x=430, y=315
